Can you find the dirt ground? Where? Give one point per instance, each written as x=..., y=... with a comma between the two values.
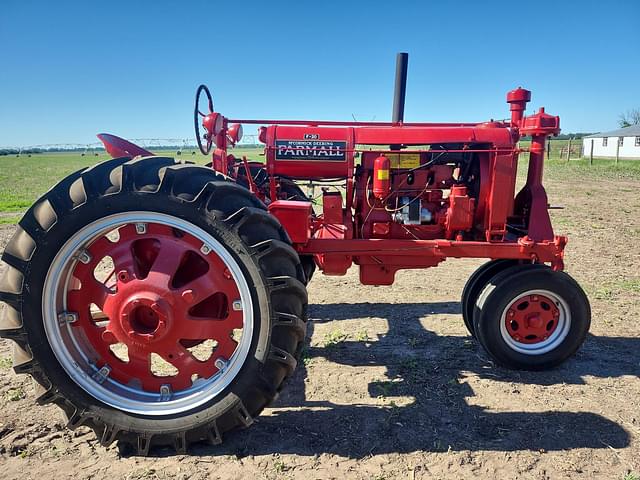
x=392, y=386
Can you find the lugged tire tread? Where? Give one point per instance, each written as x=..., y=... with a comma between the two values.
x=224, y=201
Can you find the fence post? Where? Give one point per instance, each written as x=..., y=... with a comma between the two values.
x=569, y=149
x=549, y=148
x=591, y=153
x=617, y=150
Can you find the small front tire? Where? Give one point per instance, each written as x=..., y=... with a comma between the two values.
x=531, y=318
x=476, y=283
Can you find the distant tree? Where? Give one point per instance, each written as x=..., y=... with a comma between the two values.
x=631, y=117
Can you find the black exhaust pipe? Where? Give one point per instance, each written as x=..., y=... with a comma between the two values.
x=402, y=61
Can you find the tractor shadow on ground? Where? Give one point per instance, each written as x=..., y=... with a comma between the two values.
x=429, y=368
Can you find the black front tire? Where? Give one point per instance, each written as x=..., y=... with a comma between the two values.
x=507, y=286
x=474, y=286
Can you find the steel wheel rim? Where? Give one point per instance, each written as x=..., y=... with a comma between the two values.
x=72, y=356
x=558, y=333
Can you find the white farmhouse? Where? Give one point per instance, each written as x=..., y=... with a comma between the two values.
x=622, y=143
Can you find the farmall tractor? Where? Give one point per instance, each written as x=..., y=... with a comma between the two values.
x=164, y=303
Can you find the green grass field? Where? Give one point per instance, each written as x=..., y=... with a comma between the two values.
x=23, y=179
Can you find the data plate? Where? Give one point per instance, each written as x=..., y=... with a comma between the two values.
x=323, y=150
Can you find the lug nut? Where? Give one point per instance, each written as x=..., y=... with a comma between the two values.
x=123, y=275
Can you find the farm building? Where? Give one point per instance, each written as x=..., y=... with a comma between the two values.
x=622, y=143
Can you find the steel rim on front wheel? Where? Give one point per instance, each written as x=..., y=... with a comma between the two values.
x=148, y=313
x=535, y=322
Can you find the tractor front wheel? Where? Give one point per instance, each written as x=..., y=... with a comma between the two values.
x=531, y=318
x=474, y=286
x=154, y=302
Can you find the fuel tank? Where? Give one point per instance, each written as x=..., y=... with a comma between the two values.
x=309, y=151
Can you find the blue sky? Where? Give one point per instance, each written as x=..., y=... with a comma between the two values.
x=71, y=69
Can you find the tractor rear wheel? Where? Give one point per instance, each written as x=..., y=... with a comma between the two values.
x=531, y=318
x=154, y=302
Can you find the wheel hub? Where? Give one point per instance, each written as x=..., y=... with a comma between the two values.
x=144, y=318
x=532, y=319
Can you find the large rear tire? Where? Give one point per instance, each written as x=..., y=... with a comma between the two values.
x=197, y=262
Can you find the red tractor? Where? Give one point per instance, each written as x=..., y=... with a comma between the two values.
x=164, y=303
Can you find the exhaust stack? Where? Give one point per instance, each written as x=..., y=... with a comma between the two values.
x=402, y=61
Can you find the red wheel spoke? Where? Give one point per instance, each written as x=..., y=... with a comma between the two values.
x=197, y=290
x=94, y=334
x=140, y=362
x=206, y=285
x=167, y=262
x=225, y=349
x=183, y=360
x=100, y=249
x=203, y=329
x=92, y=291
x=123, y=260
x=235, y=320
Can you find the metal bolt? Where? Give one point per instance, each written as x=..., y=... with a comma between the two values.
x=84, y=256
x=141, y=228
x=237, y=305
x=188, y=295
x=205, y=249
x=67, y=317
x=165, y=393
x=108, y=336
x=220, y=363
x=123, y=275
x=101, y=375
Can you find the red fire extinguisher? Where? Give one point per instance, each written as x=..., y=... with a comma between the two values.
x=381, y=180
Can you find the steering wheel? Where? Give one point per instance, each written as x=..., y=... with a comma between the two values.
x=205, y=149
